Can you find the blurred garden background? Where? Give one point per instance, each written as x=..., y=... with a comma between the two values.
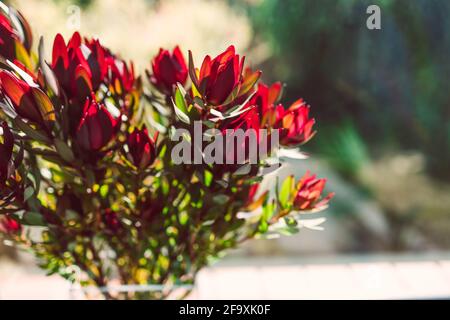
x=381, y=99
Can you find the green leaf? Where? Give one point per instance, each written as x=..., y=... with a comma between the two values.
x=222, y=183
x=192, y=72
x=263, y=226
x=208, y=178
x=34, y=178
x=183, y=217
x=22, y=55
x=50, y=78
x=209, y=124
x=30, y=132
x=104, y=190
x=181, y=88
x=243, y=170
x=45, y=105
x=221, y=199
x=287, y=231
x=238, y=109
x=180, y=106
x=29, y=191
x=22, y=74
x=285, y=191
x=72, y=215
x=33, y=219
x=249, y=82
x=179, y=100
x=64, y=150
x=233, y=112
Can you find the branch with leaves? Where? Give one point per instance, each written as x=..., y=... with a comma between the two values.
x=86, y=157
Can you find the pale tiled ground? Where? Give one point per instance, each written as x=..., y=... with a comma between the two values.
x=340, y=277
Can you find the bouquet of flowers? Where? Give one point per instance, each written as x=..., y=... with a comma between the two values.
x=109, y=178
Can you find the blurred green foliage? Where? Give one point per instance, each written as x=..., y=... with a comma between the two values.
x=81, y=3
x=390, y=85
x=86, y=3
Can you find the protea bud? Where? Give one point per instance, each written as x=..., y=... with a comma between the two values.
x=308, y=194
x=141, y=148
x=83, y=66
x=220, y=76
x=97, y=127
x=264, y=100
x=220, y=80
x=7, y=39
x=296, y=127
x=97, y=61
x=121, y=77
x=168, y=69
x=72, y=68
x=27, y=99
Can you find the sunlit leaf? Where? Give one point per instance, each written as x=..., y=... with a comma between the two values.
x=285, y=191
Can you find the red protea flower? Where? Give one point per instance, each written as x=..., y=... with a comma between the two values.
x=248, y=124
x=97, y=61
x=308, y=193
x=168, y=69
x=71, y=67
x=15, y=38
x=294, y=123
x=6, y=152
x=121, y=77
x=220, y=80
x=9, y=225
x=264, y=100
x=262, y=114
x=141, y=148
x=27, y=100
x=8, y=38
x=97, y=126
x=296, y=127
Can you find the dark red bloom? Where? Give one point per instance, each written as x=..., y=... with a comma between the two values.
x=15, y=37
x=308, y=193
x=168, y=69
x=220, y=76
x=84, y=66
x=72, y=69
x=97, y=127
x=97, y=61
x=27, y=99
x=121, y=77
x=6, y=152
x=141, y=148
x=221, y=80
x=107, y=68
x=262, y=114
x=243, y=149
x=9, y=225
x=264, y=100
x=296, y=127
x=8, y=38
